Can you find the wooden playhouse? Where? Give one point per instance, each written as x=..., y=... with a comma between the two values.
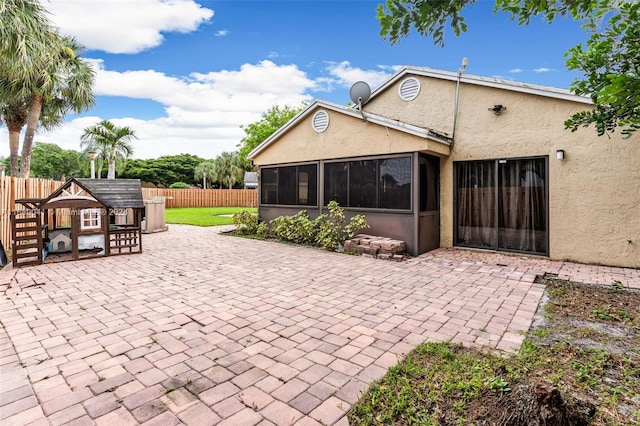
x=83, y=218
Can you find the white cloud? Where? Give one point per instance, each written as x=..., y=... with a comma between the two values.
x=543, y=69
x=203, y=111
x=222, y=33
x=516, y=70
x=343, y=74
x=123, y=27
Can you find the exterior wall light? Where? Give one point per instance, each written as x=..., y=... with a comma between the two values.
x=497, y=109
x=560, y=154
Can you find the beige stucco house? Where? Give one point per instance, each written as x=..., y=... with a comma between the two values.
x=443, y=159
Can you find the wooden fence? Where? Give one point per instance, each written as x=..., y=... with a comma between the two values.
x=12, y=188
x=204, y=197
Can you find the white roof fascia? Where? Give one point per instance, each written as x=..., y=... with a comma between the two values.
x=515, y=86
x=373, y=118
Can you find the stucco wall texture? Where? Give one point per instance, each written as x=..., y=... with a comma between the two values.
x=594, y=193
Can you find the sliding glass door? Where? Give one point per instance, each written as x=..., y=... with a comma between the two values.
x=502, y=205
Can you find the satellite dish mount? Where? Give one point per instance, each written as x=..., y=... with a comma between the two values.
x=360, y=93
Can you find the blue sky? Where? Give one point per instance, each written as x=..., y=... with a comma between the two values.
x=186, y=74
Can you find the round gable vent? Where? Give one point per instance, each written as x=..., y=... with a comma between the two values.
x=409, y=89
x=320, y=121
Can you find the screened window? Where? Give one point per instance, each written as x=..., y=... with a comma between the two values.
x=269, y=182
x=308, y=185
x=363, y=188
x=290, y=185
x=336, y=183
x=378, y=183
x=395, y=183
x=287, y=186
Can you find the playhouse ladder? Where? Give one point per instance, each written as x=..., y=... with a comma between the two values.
x=26, y=232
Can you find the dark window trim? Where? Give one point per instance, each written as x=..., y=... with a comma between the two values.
x=367, y=157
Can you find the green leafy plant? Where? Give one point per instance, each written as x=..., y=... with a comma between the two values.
x=246, y=222
x=332, y=231
x=618, y=285
x=327, y=230
x=297, y=229
x=179, y=185
x=263, y=230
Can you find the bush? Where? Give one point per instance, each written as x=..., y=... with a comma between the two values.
x=326, y=231
x=179, y=185
x=332, y=231
x=246, y=222
x=263, y=230
x=298, y=228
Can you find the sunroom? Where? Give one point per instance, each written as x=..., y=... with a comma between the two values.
x=398, y=192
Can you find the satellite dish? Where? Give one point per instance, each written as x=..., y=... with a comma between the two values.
x=360, y=93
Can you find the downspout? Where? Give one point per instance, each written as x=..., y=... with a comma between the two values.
x=455, y=108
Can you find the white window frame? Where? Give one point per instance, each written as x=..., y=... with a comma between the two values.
x=93, y=217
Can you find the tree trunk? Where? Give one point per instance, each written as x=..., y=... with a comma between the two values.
x=112, y=169
x=33, y=116
x=15, y=120
x=14, y=145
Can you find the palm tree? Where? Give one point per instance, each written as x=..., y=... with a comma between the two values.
x=230, y=168
x=25, y=33
x=39, y=70
x=110, y=142
x=24, y=30
x=64, y=87
x=207, y=171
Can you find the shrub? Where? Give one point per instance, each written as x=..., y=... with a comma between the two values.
x=246, y=222
x=298, y=228
x=332, y=231
x=327, y=230
x=179, y=185
x=263, y=230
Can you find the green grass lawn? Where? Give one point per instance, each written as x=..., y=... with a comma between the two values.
x=203, y=216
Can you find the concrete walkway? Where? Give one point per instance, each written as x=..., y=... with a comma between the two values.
x=204, y=329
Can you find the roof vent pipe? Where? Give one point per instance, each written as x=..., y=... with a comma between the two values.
x=455, y=108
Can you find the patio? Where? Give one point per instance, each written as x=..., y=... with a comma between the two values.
x=244, y=331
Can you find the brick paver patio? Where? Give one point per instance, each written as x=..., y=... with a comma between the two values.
x=205, y=329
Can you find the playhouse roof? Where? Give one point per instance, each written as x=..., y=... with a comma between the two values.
x=115, y=193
